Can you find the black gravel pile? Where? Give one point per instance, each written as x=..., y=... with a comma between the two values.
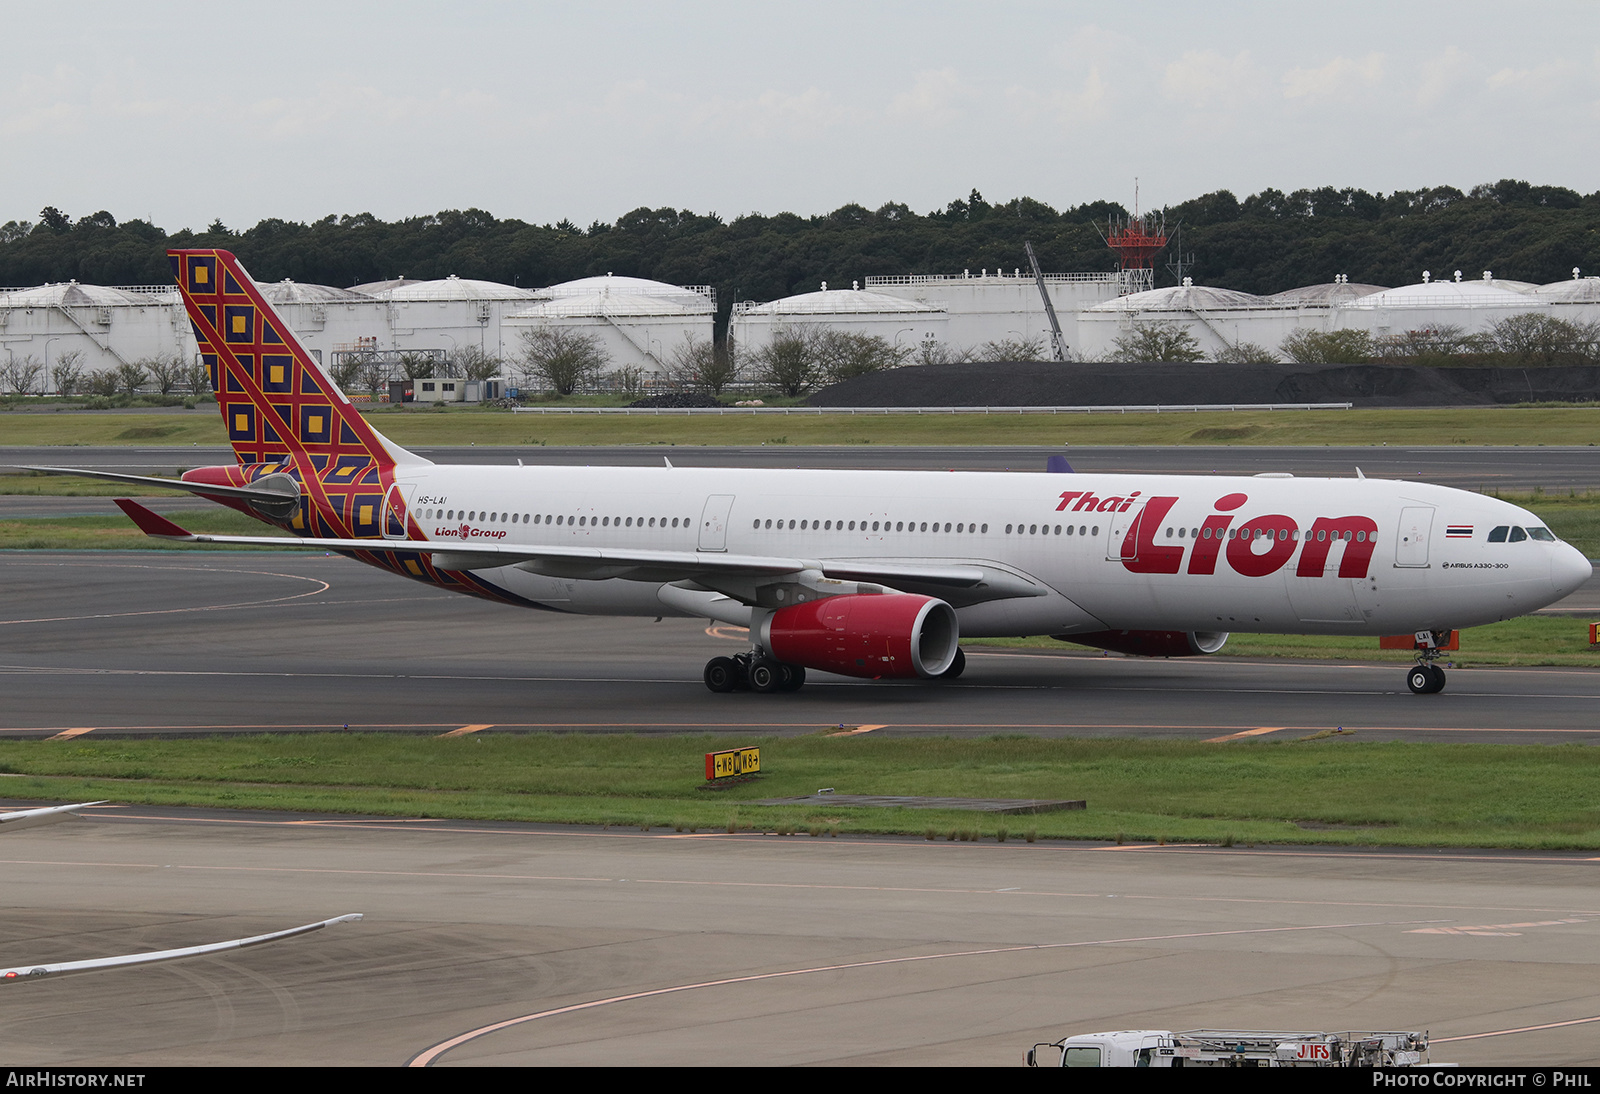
x=675, y=400
x=1045, y=383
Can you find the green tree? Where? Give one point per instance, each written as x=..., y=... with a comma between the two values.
x=789, y=361
x=1163, y=341
x=561, y=359
x=130, y=377
x=1334, y=347
x=67, y=372
x=842, y=354
x=1245, y=353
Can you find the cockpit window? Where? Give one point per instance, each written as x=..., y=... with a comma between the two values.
x=1498, y=535
x=1517, y=534
x=1543, y=534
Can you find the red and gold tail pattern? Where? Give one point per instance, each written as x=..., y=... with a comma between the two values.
x=282, y=411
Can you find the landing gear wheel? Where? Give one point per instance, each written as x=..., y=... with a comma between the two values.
x=957, y=666
x=766, y=676
x=1419, y=680
x=722, y=674
x=794, y=677
x=1425, y=680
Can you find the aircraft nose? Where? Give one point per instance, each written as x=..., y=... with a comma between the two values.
x=1569, y=570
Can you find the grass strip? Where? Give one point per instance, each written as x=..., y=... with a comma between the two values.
x=1314, y=788
x=1528, y=640
x=1497, y=425
x=114, y=532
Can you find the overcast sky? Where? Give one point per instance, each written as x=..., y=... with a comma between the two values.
x=184, y=113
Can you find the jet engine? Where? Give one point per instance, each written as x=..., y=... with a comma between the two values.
x=1151, y=643
x=863, y=634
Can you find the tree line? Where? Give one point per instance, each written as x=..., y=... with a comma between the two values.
x=1268, y=242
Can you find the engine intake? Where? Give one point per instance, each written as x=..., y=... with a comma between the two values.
x=872, y=636
x=1151, y=643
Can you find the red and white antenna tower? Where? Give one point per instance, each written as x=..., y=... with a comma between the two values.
x=1136, y=240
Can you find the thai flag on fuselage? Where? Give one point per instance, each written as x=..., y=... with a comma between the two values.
x=1458, y=531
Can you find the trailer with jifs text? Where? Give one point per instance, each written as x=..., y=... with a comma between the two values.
x=1232, y=1048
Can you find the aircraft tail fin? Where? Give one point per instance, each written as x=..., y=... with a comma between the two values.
x=280, y=405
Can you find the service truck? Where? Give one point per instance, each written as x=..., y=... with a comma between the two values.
x=1232, y=1048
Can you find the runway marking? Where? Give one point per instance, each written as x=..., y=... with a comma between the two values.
x=427, y=1057
x=701, y=725
x=1519, y=1029
x=1244, y=733
x=466, y=729
x=728, y=632
x=1496, y=929
x=855, y=731
x=324, y=586
x=68, y=734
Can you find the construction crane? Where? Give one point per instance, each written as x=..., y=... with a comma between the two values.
x=1058, y=345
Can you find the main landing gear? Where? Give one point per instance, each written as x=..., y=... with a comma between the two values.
x=749, y=672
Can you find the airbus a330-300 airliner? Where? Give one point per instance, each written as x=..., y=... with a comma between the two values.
x=872, y=574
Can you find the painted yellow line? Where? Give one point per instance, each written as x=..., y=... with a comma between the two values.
x=68, y=734
x=466, y=729
x=1245, y=733
x=858, y=729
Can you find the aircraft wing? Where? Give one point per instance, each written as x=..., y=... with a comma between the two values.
x=29, y=818
x=35, y=972
x=598, y=563
x=262, y=492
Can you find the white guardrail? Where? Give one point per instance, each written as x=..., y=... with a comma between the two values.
x=1178, y=408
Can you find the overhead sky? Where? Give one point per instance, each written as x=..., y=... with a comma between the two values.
x=184, y=113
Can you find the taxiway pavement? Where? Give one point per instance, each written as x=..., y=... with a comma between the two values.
x=521, y=944
x=150, y=642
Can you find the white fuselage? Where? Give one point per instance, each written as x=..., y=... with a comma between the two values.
x=1136, y=552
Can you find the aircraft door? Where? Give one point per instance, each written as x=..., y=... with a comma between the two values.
x=714, y=522
x=1416, y=528
x=1122, y=546
x=395, y=507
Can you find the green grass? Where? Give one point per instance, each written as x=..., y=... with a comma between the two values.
x=1321, y=790
x=1529, y=640
x=1558, y=425
x=117, y=533
x=38, y=484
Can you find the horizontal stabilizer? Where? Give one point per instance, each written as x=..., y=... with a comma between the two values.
x=28, y=818
x=151, y=524
x=250, y=493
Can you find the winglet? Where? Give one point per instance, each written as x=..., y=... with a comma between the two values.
x=151, y=524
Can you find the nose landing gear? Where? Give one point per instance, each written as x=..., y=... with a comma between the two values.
x=1426, y=678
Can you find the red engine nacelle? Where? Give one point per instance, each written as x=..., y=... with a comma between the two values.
x=893, y=634
x=1151, y=643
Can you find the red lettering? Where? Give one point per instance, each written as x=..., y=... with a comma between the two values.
x=1109, y=505
x=1230, y=502
x=1066, y=498
x=1088, y=501
x=1356, y=558
x=1129, y=503
x=1242, y=554
x=1139, y=551
x=1203, y=558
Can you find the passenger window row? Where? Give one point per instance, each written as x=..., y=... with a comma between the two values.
x=1290, y=534
x=862, y=526
x=558, y=519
